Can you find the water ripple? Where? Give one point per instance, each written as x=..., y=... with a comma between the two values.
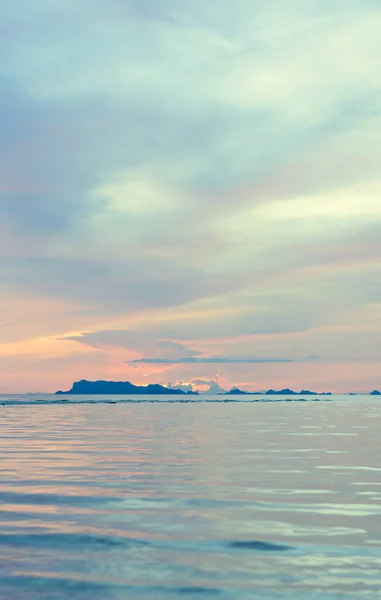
x=153, y=500
x=258, y=546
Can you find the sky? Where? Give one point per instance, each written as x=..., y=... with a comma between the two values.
x=190, y=193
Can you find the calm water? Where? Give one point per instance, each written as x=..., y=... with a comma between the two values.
x=160, y=500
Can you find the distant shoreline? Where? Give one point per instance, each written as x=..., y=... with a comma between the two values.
x=85, y=387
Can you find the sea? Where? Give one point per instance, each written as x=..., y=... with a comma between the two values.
x=236, y=498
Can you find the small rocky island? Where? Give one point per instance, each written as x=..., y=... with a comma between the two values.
x=285, y=392
x=375, y=393
x=120, y=387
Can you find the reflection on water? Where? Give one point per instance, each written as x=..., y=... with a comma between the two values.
x=171, y=500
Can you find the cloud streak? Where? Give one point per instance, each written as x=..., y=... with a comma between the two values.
x=214, y=360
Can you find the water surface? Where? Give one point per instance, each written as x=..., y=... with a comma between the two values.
x=155, y=499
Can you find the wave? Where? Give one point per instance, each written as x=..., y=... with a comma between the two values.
x=42, y=584
x=161, y=400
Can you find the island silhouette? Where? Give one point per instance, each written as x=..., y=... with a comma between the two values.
x=120, y=387
x=284, y=392
x=126, y=387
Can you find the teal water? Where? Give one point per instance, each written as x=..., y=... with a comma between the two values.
x=160, y=500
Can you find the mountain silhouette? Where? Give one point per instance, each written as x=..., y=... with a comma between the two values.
x=285, y=392
x=120, y=387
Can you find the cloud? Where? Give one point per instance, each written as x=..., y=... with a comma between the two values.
x=203, y=384
x=42, y=184
x=135, y=341
x=178, y=176
x=223, y=360
x=105, y=287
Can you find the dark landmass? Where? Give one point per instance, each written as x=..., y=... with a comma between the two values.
x=285, y=392
x=125, y=387
x=238, y=392
x=120, y=387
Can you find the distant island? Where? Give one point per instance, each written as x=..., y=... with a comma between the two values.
x=126, y=387
x=285, y=392
x=120, y=387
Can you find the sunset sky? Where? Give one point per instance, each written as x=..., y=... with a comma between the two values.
x=190, y=191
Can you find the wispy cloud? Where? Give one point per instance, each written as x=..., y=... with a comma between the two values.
x=222, y=360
